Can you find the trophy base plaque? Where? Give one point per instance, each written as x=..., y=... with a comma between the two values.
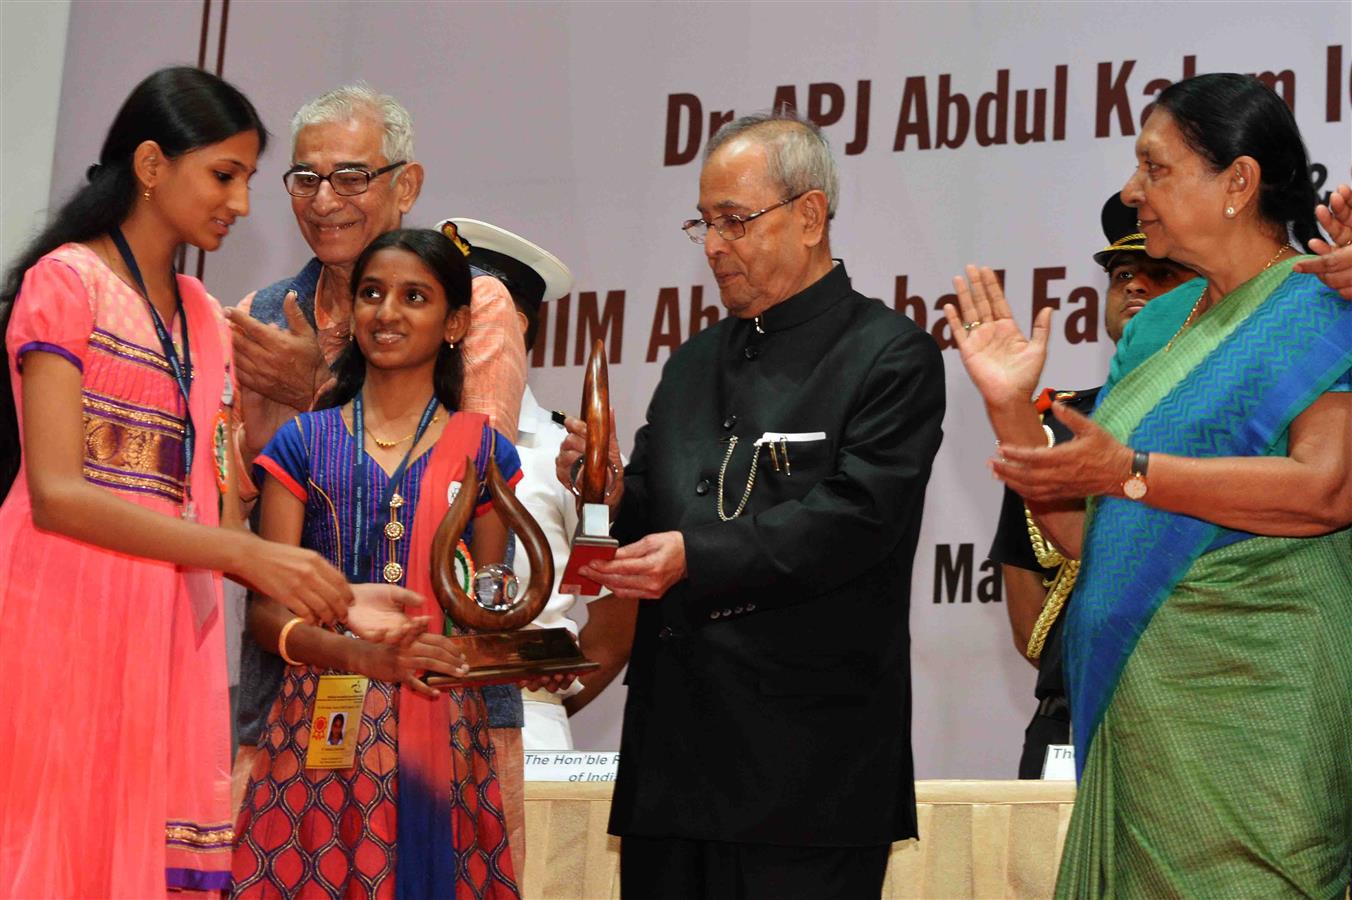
x=591, y=543
x=586, y=550
x=502, y=657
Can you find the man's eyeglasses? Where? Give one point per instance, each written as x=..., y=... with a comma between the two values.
x=345, y=182
x=730, y=227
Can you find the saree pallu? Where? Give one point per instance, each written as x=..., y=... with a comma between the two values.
x=1209, y=669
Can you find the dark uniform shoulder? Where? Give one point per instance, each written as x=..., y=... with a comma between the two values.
x=1081, y=401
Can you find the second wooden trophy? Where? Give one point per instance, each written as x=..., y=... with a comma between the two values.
x=594, y=479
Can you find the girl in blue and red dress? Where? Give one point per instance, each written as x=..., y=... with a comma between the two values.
x=365, y=482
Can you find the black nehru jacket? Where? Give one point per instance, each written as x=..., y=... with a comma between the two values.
x=769, y=691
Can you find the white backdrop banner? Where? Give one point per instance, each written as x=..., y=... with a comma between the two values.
x=965, y=132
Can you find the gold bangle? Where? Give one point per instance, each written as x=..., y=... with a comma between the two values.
x=281, y=641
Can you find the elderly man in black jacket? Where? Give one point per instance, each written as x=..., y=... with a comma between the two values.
x=769, y=516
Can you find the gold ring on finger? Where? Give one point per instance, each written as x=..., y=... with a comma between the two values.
x=970, y=325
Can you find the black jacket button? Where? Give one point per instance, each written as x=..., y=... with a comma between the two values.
x=751, y=352
x=703, y=487
x=729, y=423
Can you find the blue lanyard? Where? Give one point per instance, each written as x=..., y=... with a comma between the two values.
x=363, y=544
x=181, y=369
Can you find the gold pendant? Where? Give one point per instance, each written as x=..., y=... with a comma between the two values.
x=393, y=572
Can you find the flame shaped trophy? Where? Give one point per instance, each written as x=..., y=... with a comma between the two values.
x=499, y=648
x=592, y=541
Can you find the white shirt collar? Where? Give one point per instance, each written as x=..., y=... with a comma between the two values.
x=534, y=418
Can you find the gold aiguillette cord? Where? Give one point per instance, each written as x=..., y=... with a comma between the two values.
x=1058, y=586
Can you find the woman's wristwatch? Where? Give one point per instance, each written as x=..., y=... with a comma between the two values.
x=1135, y=487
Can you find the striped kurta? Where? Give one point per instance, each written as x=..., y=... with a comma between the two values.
x=330, y=832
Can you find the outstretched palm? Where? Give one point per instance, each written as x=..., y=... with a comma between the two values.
x=1002, y=362
x=379, y=613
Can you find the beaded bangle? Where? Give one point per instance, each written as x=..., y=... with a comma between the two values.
x=281, y=641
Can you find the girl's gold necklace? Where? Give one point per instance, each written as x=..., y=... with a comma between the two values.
x=389, y=445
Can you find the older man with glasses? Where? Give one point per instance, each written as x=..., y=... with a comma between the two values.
x=353, y=177
x=770, y=515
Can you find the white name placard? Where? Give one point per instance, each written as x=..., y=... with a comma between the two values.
x=571, y=765
x=1060, y=763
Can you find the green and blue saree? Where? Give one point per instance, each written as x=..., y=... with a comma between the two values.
x=1211, y=670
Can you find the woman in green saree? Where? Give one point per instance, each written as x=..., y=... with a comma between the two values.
x=1209, y=640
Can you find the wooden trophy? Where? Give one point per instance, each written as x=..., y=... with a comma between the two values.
x=592, y=540
x=499, y=648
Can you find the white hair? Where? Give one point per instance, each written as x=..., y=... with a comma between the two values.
x=800, y=158
x=353, y=100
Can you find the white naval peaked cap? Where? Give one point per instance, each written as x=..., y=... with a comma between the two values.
x=480, y=235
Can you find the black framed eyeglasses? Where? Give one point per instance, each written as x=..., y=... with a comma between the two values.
x=345, y=182
x=729, y=227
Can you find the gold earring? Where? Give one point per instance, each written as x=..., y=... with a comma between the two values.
x=146, y=193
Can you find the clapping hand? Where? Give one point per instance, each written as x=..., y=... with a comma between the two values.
x=1334, y=262
x=1002, y=362
x=286, y=365
x=1093, y=464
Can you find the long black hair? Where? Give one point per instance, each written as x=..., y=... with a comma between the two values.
x=448, y=264
x=181, y=109
x=1224, y=116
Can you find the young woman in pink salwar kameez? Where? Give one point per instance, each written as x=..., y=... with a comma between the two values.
x=114, y=741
